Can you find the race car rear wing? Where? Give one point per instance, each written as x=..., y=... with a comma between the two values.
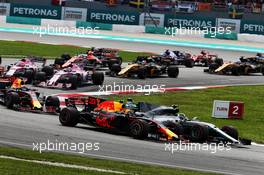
x=38, y=60
x=89, y=102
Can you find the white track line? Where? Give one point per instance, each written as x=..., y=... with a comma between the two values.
x=132, y=160
x=64, y=165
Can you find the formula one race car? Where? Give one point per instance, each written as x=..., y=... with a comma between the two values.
x=143, y=120
x=243, y=67
x=26, y=68
x=70, y=77
x=25, y=99
x=107, y=56
x=205, y=59
x=143, y=70
x=177, y=58
x=87, y=59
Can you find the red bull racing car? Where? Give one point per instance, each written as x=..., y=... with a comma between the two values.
x=25, y=99
x=143, y=120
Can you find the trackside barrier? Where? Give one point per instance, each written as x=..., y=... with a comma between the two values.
x=23, y=20
x=251, y=38
x=58, y=23
x=101, y=26
x=128, y=28
x=2, y=19
x=155, y=30
x=227, y=36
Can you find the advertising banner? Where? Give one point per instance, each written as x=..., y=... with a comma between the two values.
x=203, y=6
x=233, y=24
x=4, y=9
x=113, y=17
x=189, y=21
x=252, y=27
x=151, y=19
x=34, y=11
x=75, y=14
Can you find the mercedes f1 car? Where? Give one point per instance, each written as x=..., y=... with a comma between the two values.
x=26, y=68
x=71, y=77
x=143, y=120
x=243, y=67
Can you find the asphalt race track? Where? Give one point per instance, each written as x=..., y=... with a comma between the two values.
x=24, y=129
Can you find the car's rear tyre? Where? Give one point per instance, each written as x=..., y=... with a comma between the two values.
x=115, y=68
x=48, y=70
x=213, y=67
x=66, y=56
x=231, y=131
x=173, y=71
x=142, y=73
x=189, y=63
x=236, y=71
x=73, y=80
x=40, y=76
x=199, y=133
x=138, y=129
x=59, y=61
x=69, y=116
x=112, y=62
x=98, y=78
x=219, y=61
x=12, y=99
x=29, y=74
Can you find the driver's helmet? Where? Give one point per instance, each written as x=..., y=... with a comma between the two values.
x=259, y=55
x=130, y=104
x=167, y=52
x=18, y=83
x=90, y=53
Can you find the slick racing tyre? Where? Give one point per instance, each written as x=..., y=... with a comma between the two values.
x=189, y=63
x=231, y=131
x=65, y=56
x=48, y=70
x=219, y=61
x=12, y=99
x=138, y=129
x=73, y=80
x=199, y=133
x=236, y=71
x=173, y=71
x=142, y=73
x=98, y=78
x=115, y=69
x=213, y=67
x=59, y=61
x=39, y=77
x=29, y=74
x=69, y=116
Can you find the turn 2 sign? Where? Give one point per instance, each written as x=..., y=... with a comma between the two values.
x=228, y=109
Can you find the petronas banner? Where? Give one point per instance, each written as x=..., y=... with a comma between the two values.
x=113, y=17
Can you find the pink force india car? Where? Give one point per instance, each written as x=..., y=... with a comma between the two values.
x=71, y=77
x=25, y=68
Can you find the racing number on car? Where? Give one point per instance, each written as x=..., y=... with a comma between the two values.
x=236, y=110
